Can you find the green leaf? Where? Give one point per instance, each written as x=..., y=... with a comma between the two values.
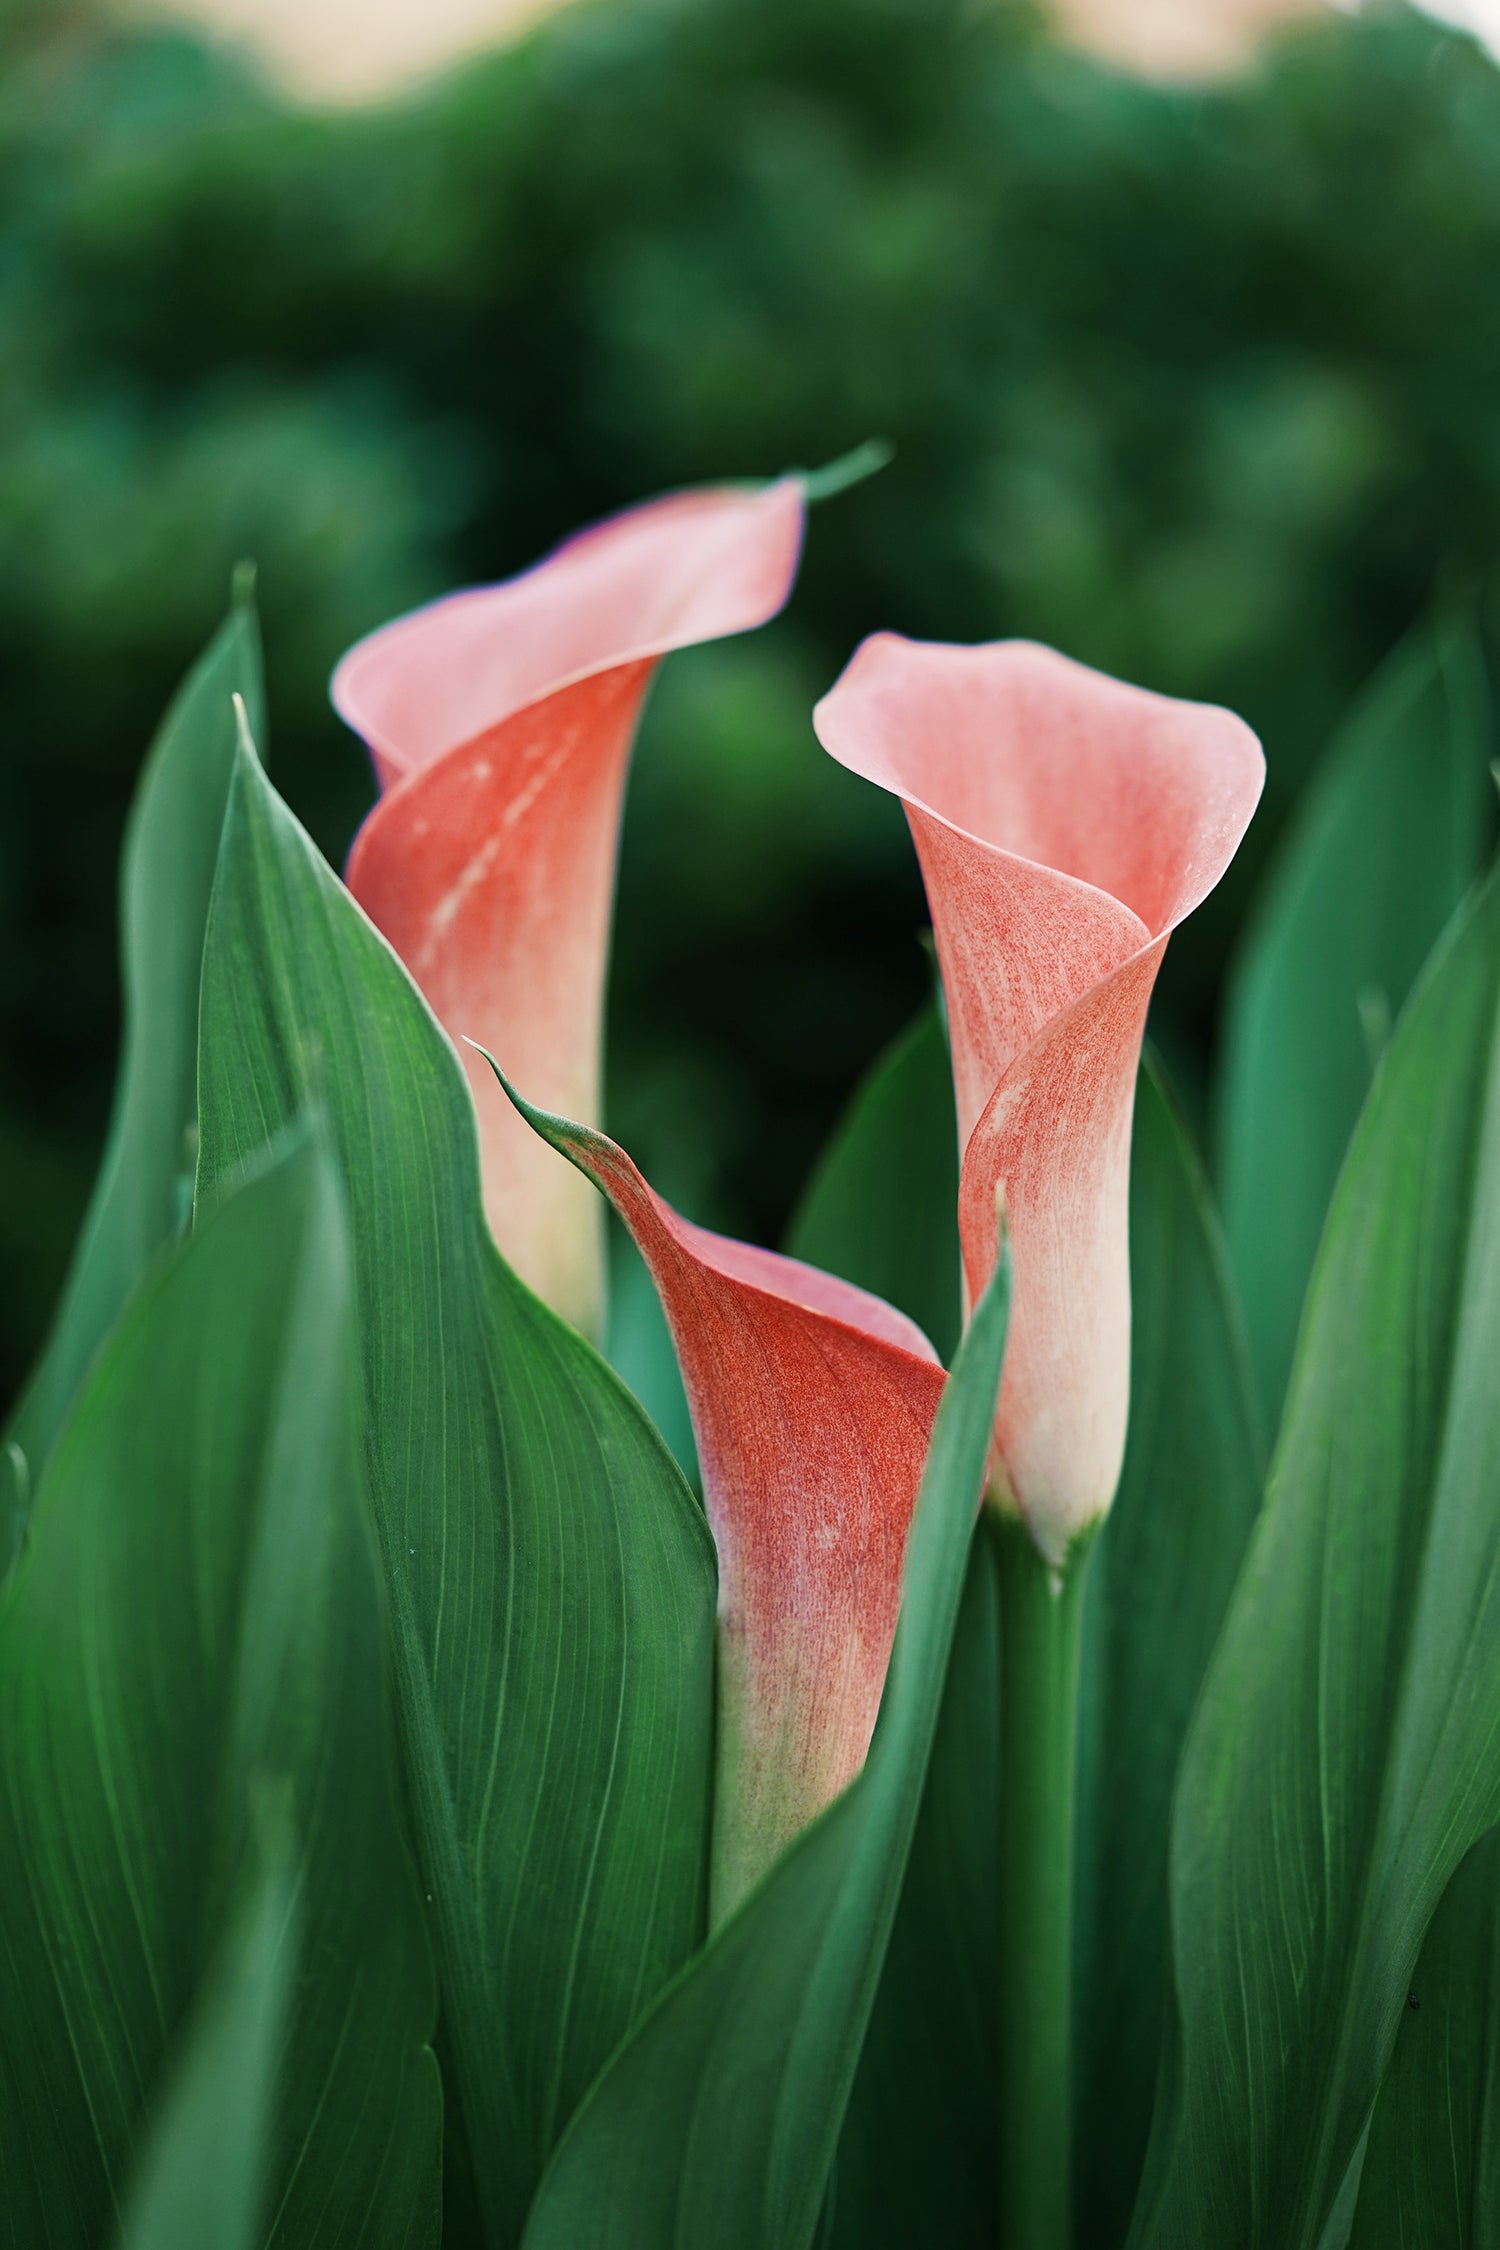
x=719, y=2120
x=551, y=1578
x=919, y=2150
x=1379, y=854
x=144, y=1189
x=1158, y=1586
x=1431, y=2177
x=205, y=2169
x=1342, y=1758
x=918, y=2154
x=881, y=1208
x=196, y=1623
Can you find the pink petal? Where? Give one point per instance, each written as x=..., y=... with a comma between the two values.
x=1065, y=824
x=812, y=1405
x=501, y=722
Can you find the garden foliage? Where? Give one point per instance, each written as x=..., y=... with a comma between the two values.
x=1195, y=385
x=368, y=1692
x=357, y=1640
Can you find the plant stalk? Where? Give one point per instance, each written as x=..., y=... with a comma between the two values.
x=1040, y=1608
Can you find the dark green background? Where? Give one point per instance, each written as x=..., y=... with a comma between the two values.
x=1202, y=387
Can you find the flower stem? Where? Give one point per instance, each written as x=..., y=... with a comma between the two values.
x=1040, y=1609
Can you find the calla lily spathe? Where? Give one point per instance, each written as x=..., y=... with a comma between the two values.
x=500, y=722
x=1065, y=825
x=812, y=1405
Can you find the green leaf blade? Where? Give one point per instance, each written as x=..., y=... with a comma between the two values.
x=1386, y=842
x=550, y=1577
x=195, y=1626
x=1431, y=2176
x=919, y=2148
x=1341, y=1761
x=141, y=1197
x=718, y=2122
x=917, y=2152
x=203, y=2174
x=1159, y=1584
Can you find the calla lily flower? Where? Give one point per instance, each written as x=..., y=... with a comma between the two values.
x=812, y=1406
x=500, y=722
x=1065, y=825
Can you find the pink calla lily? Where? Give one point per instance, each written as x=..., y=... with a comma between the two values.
x=500, y=722
x=1065, y=825
x=812, y=1405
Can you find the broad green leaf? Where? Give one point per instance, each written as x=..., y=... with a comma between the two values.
x=1159, y=1583
x=196, y=1626
x=1380, y=851
x=1342, y=1758
x=918, y=2154
x=718, y=2121
x=919, y=2151
x=144, y=1190
x=205, y=2170
x=551, y=1579
x=1431, y=2178
x=881, y=1208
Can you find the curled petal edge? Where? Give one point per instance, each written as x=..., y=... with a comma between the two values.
x=812, y=1405
x=501, y=722
x=1065, y=824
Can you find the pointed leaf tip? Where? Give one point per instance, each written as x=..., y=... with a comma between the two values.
x=242, y=582
x=851, y=468
x=561, y=1133
x=244, y=734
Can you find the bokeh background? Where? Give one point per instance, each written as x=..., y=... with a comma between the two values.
x=1198, y=381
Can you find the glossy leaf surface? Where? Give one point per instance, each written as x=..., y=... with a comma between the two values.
x=1341, y=1761
x=204, y=2173
x=1431, y=2178
x=195, y=1629
x=550, y=1576
x=144, y=1190
x=918, y=2153
x=718, y=2122
x=1158, y=1586
x=1379, y=853
x=881, y=1208
x=919, y=2147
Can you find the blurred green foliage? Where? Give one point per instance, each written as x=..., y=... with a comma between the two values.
x=1201, y=387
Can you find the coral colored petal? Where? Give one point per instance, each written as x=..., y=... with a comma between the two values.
x=501, y=723
x=1061, y=937
x=1057, y=1135
x=1065, y=824
x=812, y=1405
x=691, y=567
